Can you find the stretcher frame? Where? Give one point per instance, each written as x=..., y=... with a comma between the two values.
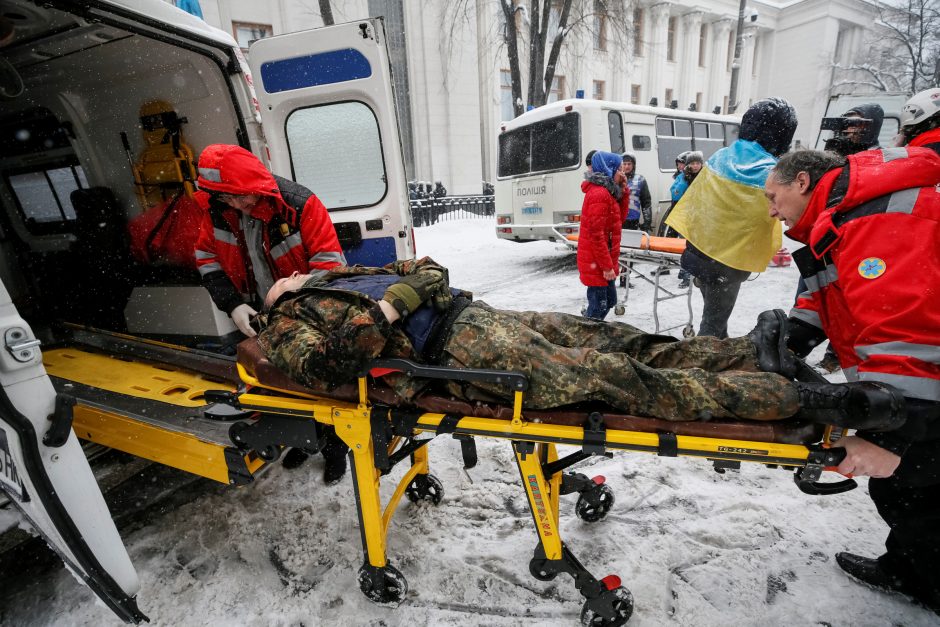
x=380, y=436
x=632, y=252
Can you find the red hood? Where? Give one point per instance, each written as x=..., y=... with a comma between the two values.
x=870, y=176
x=930, y=137
x=233, y=170
x=585, y=186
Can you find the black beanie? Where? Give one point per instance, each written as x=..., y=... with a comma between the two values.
x=770, y=122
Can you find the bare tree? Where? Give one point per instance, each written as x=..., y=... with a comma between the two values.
x=904, y=54
x=547, y=27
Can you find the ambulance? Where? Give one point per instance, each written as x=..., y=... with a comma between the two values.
x=109, y=339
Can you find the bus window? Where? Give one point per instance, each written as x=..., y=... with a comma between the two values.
x=642, y=142
x=615, y=127
x=709, y=137
x=547, y=145
x=313, y=135
x=731, y=133
x=673, y=137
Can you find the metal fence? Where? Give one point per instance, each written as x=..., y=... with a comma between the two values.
x=425, y=211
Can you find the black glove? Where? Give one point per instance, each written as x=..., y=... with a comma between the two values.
x=769, y=337
x=802, y=337
x=414, y=290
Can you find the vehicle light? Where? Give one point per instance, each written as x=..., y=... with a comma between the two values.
x=568, y=108
x=503, y=219
x=504, y=230
x=569, y=230
x=573, y=218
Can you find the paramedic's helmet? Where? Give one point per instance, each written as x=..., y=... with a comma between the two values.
x=921, y=113
x=770, y=122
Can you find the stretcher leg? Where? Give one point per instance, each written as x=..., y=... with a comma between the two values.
x=379, y=581
x=606, y=603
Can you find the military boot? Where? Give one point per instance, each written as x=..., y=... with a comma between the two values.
x=770, y=340
x=862, y=405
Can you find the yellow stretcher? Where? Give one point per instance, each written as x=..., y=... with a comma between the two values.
x=663, y=254
x=237, y=432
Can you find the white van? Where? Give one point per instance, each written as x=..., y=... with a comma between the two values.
x=542, y=152
x=73, y=79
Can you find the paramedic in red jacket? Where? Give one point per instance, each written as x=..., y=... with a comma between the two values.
x=257, y=228
x=872, y=269
x=605, y=207
x=920, y=120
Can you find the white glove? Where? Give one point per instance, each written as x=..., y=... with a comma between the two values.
x=241, y=316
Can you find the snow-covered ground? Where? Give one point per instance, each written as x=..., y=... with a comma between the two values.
x=694, y=547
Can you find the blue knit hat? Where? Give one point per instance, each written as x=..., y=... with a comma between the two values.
x=606, y=163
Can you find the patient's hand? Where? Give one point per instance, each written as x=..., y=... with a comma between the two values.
x=863, y=458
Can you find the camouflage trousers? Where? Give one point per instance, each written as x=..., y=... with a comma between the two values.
x=570, y=359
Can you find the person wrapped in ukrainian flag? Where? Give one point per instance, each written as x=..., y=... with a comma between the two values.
x=724, y=214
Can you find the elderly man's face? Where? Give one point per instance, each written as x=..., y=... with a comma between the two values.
x=788, y=201
x=287, y=284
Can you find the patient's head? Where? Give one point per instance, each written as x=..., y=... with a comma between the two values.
x=287, y=284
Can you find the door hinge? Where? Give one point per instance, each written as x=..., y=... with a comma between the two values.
x=17, y=342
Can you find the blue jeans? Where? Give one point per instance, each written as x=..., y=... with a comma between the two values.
x=600, y=301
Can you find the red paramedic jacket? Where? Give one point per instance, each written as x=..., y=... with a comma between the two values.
x=299, y=235
x=599, y=235
x=872, y=267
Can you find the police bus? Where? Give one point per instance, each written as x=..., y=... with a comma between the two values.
x=541, y=159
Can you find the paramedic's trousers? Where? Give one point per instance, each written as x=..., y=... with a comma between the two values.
x=570, y=359
x=909, y=501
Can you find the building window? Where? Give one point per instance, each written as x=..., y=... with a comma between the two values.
x=730, y=49
x=702, y=44
x=698, y=101
x=600, y=26
x=557, y=92
x=506, y=110
x=638, y=16
x=598, y=92
x=246, y=33
x=634, y=94
x=668, y=102
x=671, y=39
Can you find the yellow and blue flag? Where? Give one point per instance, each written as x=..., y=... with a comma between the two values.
x=724, y=213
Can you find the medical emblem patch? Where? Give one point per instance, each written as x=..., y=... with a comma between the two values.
x=872, y=268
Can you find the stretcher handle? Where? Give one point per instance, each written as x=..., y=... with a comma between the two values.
x=823, y=459
x=516, y=381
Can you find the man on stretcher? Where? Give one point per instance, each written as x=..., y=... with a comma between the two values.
x=323, y=329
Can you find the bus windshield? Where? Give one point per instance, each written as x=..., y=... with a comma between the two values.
x=547, y=145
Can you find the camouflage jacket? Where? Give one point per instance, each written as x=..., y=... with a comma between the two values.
x=323, y=337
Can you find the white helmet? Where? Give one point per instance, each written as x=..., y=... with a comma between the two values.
x=920, y=108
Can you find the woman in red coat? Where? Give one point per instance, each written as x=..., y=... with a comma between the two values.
x=606, y=203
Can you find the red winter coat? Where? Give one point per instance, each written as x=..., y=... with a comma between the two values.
x=930, y=139
x=599, y=236
x=299, y=235
x=872, y=267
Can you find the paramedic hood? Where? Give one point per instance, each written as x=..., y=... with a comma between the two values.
x=297, y=233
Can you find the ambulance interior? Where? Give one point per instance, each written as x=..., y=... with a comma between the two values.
x=99, y=124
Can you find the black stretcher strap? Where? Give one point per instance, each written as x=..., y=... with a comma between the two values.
x=595, y=434
x=448, y=424
x=668, y=444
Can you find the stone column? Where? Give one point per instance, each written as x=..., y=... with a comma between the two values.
x=719, y=77
x=656, y=64
x=691, y=29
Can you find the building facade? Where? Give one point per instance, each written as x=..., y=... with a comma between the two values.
x=451, y=70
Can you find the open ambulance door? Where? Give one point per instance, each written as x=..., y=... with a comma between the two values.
x=44, y=471
x=328, y=111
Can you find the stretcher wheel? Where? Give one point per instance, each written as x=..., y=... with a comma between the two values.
x=541, y=569
x=594, y=504
x=425, y=488
x=619, y=310
x=383, y=584
x=622, y=604
x=688, y=331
